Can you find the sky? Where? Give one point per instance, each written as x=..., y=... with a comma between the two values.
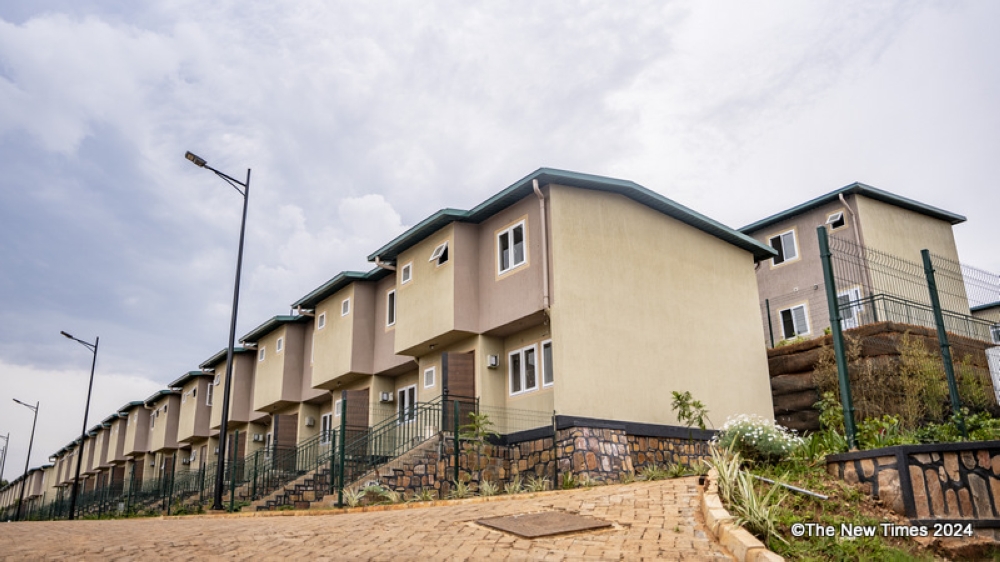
x=361, y=119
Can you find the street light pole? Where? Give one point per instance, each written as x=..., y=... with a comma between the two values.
x=83, y=434
x=24, y=479
x=220, y=476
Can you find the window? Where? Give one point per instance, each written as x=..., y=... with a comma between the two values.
x=345, y=307
x=406, y=273
x=522, y=370
x=995, y=333
x=836, y=220
x=440, y=254
x=390, y=308
x=407, y=404
x=321, y=321
x=152, y=420
x=429, y=377
x=849, y=302
x=548, y=376
x=784, y=243
x=511, y=251
x=194, y=392
x=184, y=397
x=267, y=445
x=325, y=427
x=279, y=345
x=260, y=353
x=336, y=407
x=208, y=395
x=794, y=321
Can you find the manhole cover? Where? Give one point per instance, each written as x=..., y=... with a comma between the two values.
x=533, y=525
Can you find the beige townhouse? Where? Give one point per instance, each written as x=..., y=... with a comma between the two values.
x=114, y=460
x=194, y=417
x=136, y=440
x=791, y=284
x=163, y=410
x=250, y=424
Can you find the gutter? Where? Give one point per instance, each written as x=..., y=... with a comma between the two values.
x=545, y=246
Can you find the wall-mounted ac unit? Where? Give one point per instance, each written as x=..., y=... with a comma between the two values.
x=492, y=361
x=257, y=437
x=310, y=421
x=385, y=397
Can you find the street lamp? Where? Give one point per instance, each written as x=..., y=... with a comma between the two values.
x=83, y=435
x=220, y=477
x=24, y=479
x=3, y=459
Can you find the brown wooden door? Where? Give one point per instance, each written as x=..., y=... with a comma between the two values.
x=458, y=384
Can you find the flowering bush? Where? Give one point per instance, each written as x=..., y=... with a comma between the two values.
x=757, y=439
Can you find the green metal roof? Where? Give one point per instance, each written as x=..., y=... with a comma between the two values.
x=341, y=280
x=253, y=336
x=986, y=306
x=219, y=356
x=858, y=189
x=183, y=379
x=523, y=187
x=159, y=394
x=107, y=421
x=130, y=406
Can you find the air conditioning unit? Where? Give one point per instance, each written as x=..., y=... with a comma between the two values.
x=310, y=421
x=258, y=437
x=492, y=361
x=385, y=397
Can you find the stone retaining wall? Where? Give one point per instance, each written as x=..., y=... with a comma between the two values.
x=948, y=481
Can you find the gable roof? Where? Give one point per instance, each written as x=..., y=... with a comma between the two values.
x=183, y=379
x=269, y=326
x=523, y=187
x=857, y=188
x=220, y=356
x=339, y=281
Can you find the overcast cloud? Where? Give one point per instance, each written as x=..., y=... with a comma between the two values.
x=360, y=120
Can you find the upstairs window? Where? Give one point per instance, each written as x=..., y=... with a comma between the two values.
x=260, y=353
x=321, y=321
x=794, y=321
x=406, y=273
x=511, y=251
x=995, y=333
x=440, y=254
x=279, y=345
x=208, y=395
x=784, y=243
x=345, y=307
x=390, y=308
x=836, y=220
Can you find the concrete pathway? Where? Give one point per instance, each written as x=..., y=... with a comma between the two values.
x=652, y=521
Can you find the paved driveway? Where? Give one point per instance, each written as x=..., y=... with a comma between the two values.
x=651, y=521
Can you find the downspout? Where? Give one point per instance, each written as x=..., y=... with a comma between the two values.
x=864, y=259
x=383, y=265
x=545, y=246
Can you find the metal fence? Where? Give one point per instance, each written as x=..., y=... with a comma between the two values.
x=905, y=340
x=334, y=460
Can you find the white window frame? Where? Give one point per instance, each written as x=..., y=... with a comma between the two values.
x=261, y=353
x=995, y=333
x=184, y=398
x=390, y=308
x=345, y=306
x=268, y=437
x=834, y=217
x=853, y=295
x=218, y=379
x=209, y=394
x=440, y=254
x=406, y=273
x=321, y=321
x=326, y=429
x=805, y=317
x=430, y=373
x=784, y=237
x=509, y=232
x=546, y=365
x=406, y=407
x=279, y=345
x=522, y=370
x=152, y=419
x=337, y=406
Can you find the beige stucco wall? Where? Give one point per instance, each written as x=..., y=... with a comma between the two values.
x=136, y=431
x=335, y=352
x=116, y=440
x=902, y=233
x=279, y=376
x=425, y=305
x=645, y=305
x=240, y=399
x=385, y=359
x=194, y=411
x=164, y=433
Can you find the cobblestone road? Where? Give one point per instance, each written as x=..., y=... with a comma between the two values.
x=652, y=521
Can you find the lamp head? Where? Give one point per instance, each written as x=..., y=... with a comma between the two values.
x=67, y=335
x=195, y=159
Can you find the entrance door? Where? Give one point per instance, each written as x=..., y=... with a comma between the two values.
x=458, y=380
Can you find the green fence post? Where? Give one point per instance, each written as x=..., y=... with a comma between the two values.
x=455, y=438
x=949, y=367
x=770, y=327
x=173, y=472
x=340, y=449
x=253, y=489
x=232, y=472
x=555, y=452
x=838, y=337
x=333, y=456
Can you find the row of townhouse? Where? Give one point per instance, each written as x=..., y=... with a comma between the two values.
x=588, y=297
